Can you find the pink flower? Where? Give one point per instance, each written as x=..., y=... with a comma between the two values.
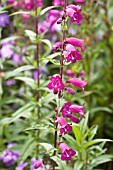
x=74, y=13
x=29, y=4
x=10, y=1
x=56, y=84
x=57, y=3
x=77, y=82
x=75, y=42
x=65, y=110
x=38, y=164
x=57, y=46
x=65, y=127
x=70, y=73
x=74, y=119
x=67, y=152
x=78, y=109
x=25, y=17
x=70, y=90
x=82, y=74
x=71, y=54
x=80, y=1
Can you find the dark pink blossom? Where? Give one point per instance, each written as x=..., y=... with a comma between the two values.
x=57, y=3
x=56, y=84
x=74, y=119
x=25, y=17
x=65, y=110
x=70, y=73
x=65, y=127
x=75, y=42
x=74, y=13
x=80, y=1
x=67, y=152
x=57, y=46
x=10, y=1
x=29, y=5
x=78, y=109
x=78, y=83
x=71, y=54
x=70, y=90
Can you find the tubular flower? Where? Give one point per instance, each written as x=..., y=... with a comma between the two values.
x=78, y=109
x=67, y=152
x=65, y=110
x=56, y=83
x=77, y=82
x=70, y=73
x=65, y=127
x=74, y=119
x=57, y=46
x=71, y=54
x=38, y=164
x=70, y=90
x=74, y=13
x=75, y=42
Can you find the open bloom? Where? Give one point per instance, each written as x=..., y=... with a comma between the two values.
x=4, y=19
x=57, y=46
x=75, y=42
x=71, y=54
x=67, y=152
x=73, y=12
x=78, y=109
x=65, y=127
x=78, y=83
x=56, y=83
x=65, y=110
x=29, y=5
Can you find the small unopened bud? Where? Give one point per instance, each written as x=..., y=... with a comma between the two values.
x=38, y=164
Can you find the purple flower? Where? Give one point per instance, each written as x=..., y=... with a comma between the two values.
x=21, y=166
x=74, y=13
x=65, y=127
x=37, y=163
x=9, y=157
x=56, y=83
x=4, y=19
x=9, y=145
x=78, y=83
x=71, y=54
x=6, y=51
x=75, y=42
x=67, y=152
x=65, y=110
x=82, y=74
x=70, y=73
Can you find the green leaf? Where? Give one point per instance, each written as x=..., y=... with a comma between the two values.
x=47, y=9
x=78, y=165
x=62, y=164
x=22, y=112
x=18, y=70
x=102, y=159
x=78, y=135
x=31, y=35
x=93, y=142
x=47, y=42
x=27, y=149
x=97, y=109
x=28, y=81
x=19, y=12
x=47, y=146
